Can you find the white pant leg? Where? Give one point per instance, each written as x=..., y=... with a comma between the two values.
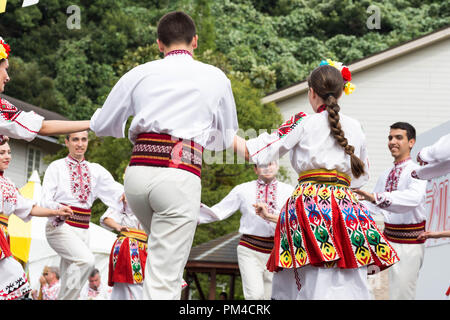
x=167, y=201
x=256, y=279
x=404, y=274
x=322, y=283
x=77, y=260
x=126, y=291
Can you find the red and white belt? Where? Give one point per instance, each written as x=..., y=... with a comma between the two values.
x=163, y=150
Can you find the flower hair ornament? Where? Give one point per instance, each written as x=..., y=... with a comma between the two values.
x=4, y=49
x=346, y=74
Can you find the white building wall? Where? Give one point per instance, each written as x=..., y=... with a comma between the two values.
x=17, y=170
x=412, y=88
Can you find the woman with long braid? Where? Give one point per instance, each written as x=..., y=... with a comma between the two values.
x=325, y=240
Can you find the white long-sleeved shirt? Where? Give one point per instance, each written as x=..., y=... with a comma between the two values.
x=176, y=95
x=311, y=145
x=439, y=151
x=242, y=198
x=79, y=184
x=12, y=201
x=126, y=219
x=18, y=124
x=399, y=197
x=437, y=157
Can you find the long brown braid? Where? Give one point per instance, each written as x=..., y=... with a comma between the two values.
x=327, y=82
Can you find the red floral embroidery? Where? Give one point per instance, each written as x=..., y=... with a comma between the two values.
x=80, y=179
x=267, y=193
x=290, y=124
x=394, y=176
x=8, y=110
x=9, y=190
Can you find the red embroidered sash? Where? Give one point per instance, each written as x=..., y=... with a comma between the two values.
x=163, y=150
x=80, y=218
x=404, y=233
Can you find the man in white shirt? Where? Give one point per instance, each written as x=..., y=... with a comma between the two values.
x=95, y=289
x=179, y=106
x=257, y=234
x=401, y=200
x=77, y=183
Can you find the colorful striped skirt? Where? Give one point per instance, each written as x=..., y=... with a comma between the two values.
x=128, y=257
x=324, y=225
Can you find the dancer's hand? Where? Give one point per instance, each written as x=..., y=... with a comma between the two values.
x=364, y=195
x=64, y=211
x=122, y=228
x=262, y=211
x=420, y=161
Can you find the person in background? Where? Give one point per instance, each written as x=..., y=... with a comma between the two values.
x=401, y=200
x=50, y=284
x=95, y=289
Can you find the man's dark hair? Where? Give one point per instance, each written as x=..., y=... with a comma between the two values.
x=94, y=273
x=410, y=130
x=176, y=27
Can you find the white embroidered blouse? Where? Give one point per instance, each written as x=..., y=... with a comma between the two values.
x=176, y=95
x=18, y=124
x=79, y=184
x=123, y=218
x=242, y=197
x=13, y=201
x=310, y=144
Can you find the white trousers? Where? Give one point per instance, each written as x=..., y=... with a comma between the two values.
x=77, y=260
x=167, y=203
x=126, y=291
x=404, y=274
x=321, y=284
x=256, y=279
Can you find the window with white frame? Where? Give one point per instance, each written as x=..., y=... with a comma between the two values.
x=34, y=160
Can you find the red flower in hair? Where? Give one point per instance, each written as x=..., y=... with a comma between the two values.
x=346, y=74
x=7, y=48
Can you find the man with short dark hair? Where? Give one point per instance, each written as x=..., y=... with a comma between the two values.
x=401, y=200
x=95, y=289
x=77, y=183
x=180, y=106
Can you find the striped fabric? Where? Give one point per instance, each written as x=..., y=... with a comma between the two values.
x=4, y=220
x=137, y=234
x=4, y=226
x=80, y=218
x=323, y=175
x=404, y=233
x=260, y=244
x=162, y=150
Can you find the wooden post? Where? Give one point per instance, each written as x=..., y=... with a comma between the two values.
x=212, y=285
x=186, y=290
x=232, y=281
x=199, y=288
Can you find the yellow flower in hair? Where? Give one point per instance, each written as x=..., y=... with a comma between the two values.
x=349, y=88
x=3, y=54
x=331, y=62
